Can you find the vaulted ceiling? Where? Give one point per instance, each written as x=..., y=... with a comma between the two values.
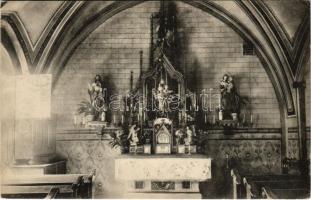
x=42, y=35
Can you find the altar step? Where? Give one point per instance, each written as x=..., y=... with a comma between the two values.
x=150, y=195
x=164, y=196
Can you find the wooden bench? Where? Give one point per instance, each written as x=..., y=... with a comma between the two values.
x=52, y=194
x=269, y=186
x=236, y=184
x=289, y=193
x=254, y=186
x=38, y=186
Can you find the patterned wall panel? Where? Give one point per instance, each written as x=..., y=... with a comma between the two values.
x=85, y=155
x=251, y=156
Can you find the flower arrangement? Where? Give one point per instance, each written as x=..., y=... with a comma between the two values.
x=86, y=108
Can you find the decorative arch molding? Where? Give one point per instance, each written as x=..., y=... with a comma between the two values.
x=293, y=48
x=62, y=35
x=16, y=53
x=34, y=53
x=303, y=63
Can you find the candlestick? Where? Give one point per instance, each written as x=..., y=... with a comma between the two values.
x=219, y=101
x=210, y=99
x=195, y=100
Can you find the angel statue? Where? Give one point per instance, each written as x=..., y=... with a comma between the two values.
x=133, y=135
x=179, y=135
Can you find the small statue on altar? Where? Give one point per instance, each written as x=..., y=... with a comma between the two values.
x=188, y=139
x=133, y=135
x=179, y=135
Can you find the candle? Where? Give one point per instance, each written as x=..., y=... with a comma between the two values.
x=244, y=118
x=122, y=119
x=190, y=107
x=251, y=118
x=114, y=119
x=75, y=119
x=214, y=119
x=210, y=99
x=205, y=118
x=137, y=117
x=83, y=120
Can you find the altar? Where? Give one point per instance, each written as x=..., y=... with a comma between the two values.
x=159, y=176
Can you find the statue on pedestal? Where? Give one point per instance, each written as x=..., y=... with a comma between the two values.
x=230, y=100
x=96, y=93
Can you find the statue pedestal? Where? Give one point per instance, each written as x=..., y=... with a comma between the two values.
x=158, y=176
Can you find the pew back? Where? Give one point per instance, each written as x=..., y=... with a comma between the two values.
x=69, y=185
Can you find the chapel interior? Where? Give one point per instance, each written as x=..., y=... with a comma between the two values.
x=155, y=99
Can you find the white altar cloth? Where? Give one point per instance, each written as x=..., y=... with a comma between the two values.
x=163, y=167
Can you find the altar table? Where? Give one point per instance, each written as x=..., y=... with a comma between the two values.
x=163, y=176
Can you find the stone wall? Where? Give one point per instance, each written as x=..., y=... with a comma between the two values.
x=209, y=49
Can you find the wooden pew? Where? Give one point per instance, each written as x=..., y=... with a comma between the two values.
x=269, y=186
x=236, y=184
x=274, y=193
x=53, y=193
x=69, y=186
x=273, y=185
